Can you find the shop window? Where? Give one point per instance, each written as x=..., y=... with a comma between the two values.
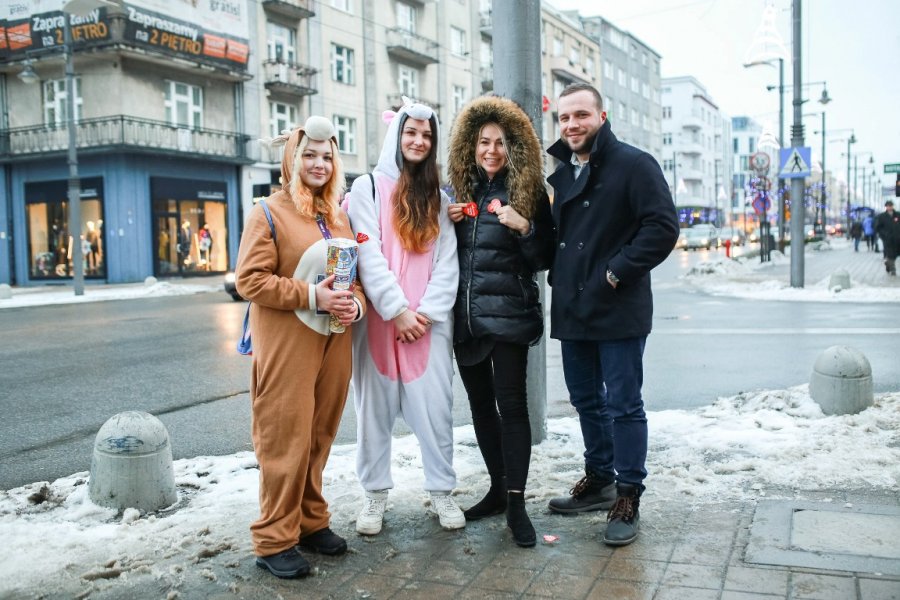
x=50, y=244
x=190, y=226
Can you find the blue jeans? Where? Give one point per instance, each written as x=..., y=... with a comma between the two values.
x=604, y=381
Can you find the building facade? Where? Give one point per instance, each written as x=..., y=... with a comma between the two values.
x=630, y=85
x=697, y=152
x=158, y=120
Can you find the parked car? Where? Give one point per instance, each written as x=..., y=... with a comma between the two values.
x=736, y=235
x=693, y=239
x=230, y=287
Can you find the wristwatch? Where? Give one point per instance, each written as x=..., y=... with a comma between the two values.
x=612, y=277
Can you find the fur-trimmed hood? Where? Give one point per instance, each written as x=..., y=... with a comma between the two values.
x=525, y=181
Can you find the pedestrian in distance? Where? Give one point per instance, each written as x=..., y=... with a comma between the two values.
x=300, y=373
x=402, y=352
x=615, y=221
x=887, y=226
x=868, y=226
x=505, y=235
x=856, y=232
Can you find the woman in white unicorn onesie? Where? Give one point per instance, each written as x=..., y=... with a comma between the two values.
x=402, y=350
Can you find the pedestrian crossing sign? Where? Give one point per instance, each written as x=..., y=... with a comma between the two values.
x=795, y=162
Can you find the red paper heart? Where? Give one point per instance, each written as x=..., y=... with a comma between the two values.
x=470, y=209
x=361, y=237
x=494, y=205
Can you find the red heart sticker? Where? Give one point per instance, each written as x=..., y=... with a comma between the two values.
x=494, y=205
x=361, y=237
x=470, y=209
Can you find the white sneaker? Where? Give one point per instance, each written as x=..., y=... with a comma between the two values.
x=372, y=514
x=449, y=514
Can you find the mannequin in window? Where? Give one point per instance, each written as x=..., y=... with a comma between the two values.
x=184, y=243
x=92, y=237
x=205, y=245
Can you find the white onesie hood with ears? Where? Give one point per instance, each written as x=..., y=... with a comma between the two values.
x=390, y=160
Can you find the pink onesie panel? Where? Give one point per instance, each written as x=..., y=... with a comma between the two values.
x=394, y=360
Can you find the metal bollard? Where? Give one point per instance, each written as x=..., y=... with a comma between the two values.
x=132, y=464
x=840, y=280
x=841, y=381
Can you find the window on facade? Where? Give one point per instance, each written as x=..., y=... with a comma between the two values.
x=608, y=71
x=667, y=139
x=575, y=55
x=623, y=79
x=635, y=85
x=281, y=117
x=615, y=37
x=457, y=41
x=558, y=86
x=406, y=17
x=666, y=112
x=668, y=164
x=608, y=103
x=645, y=91
x=634, y=117
x=623, y=112
x=344, y=5
x=55, y=101
x=184, y=104
x=50, y=244
x=485, y=6
x=486, y=54
x=408, y=81
x=281, y=43
x=644, y=59
x=557, y=46
x=346, y=134
x=460, y=97
x=342, y=64
x=734, y=145
x=751, y=143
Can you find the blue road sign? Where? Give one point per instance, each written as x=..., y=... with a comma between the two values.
x=795, y=162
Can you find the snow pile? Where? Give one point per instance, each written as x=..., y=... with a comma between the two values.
x=732, y=450
x=41, y=296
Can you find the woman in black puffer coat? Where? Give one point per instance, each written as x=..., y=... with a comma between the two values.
x=505, y=235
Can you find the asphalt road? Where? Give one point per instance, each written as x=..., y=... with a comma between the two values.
x=68, y=368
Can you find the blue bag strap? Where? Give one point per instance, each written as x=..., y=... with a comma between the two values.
x=269, y=219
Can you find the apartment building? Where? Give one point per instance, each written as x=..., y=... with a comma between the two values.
x=157, y=90
x=630, y=84
x=696, y=142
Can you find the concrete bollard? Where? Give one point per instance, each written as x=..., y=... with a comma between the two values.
x=840, y=279
x=132, y=464
x=5, y=291
x=150, y=281
x=841, y=381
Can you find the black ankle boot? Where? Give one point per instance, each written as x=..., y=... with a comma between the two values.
x=493, y=503
x=624, y=518
x=518, y=521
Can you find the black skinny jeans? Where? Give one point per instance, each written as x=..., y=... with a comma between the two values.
x=498, y=382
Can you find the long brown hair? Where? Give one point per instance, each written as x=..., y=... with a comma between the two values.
x=417, y=198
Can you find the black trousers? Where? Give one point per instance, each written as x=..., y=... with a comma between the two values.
x=499, y=403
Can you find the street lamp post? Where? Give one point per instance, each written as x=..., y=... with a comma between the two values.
x=797, y=209
x=74, y=181
x=850, y=140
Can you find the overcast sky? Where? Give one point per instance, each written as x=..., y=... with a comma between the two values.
x=854, y=47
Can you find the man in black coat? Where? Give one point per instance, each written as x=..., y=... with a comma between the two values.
x=615, y=221
x=887, y=226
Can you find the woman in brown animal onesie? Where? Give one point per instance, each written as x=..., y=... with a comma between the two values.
x=301, y=371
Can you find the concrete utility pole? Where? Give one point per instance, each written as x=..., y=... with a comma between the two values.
x=798, y=217
x=517, y=76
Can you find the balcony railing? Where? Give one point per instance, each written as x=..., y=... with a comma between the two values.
x=396, y=100
x=289, y=78
x=569, y=70
x=486, y=22
x=409, y=47
x=292, y=9
x=120, y=132
x=487, y=78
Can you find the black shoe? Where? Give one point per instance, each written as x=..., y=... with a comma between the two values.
x=324, y=541
x=287, y=564
x=623, y=520
x=592, y=492
x=518, y=521
x=493, y=503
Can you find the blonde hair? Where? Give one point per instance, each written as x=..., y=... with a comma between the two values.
x=324, y=201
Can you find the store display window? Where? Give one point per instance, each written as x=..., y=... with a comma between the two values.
x=50, y=244
x=190, y=230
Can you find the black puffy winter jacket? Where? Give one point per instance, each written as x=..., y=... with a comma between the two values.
x=498, y=293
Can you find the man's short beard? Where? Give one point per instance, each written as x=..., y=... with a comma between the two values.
x=586, y=145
